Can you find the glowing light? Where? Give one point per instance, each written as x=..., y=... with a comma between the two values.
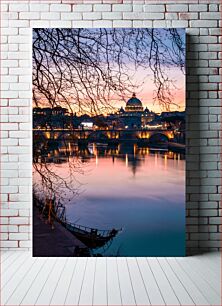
x=134, y=149
x=154, y=126
x=97, y=160
x=165, y=161
x=156, y=159
x=170, y=135
x=47, y=135
x=126, y=159
x=87, y=124
x=94, y=149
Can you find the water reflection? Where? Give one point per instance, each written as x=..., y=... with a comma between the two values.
x=141, y=190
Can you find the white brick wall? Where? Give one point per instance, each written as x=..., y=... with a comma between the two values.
x=202, y=19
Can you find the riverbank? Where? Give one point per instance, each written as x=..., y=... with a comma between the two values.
x=57, y=242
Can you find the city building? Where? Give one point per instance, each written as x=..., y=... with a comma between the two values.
x=134, y=115
x=48, y=111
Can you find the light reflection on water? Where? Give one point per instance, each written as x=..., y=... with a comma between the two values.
x=139, y=190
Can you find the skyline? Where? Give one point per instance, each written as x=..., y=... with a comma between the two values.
x=115, y=111
x=97, y=70
x=146, y=97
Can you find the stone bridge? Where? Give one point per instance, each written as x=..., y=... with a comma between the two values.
x=103, y=135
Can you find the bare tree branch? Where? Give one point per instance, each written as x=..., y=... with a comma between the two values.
x=84, y=68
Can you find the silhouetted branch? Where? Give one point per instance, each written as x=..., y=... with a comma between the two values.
x=86, y=69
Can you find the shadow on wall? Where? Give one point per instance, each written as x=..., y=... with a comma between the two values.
x=193, y=171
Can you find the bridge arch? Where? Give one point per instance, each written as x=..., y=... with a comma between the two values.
x=66, y=136
x=158, y=137
x=96, y=136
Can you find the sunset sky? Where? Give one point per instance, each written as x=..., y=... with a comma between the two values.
x=145, y=92
x=96, y=58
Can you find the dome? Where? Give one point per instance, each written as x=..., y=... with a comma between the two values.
x=121, y=110
x=134, y=101
x=134, y=104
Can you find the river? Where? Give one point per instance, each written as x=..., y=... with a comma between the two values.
x=141, y=190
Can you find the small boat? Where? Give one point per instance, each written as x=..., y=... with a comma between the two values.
x=91, y=237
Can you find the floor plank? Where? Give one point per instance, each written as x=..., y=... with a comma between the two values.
x=208, y=292
x=212, y=261
x=110, y=281
x=5, y=255
x=9, y=287
x=154, y=293
x=126, y=289
x=137, y=281
x=181, y=292
x=75, y=286
x=10, y=261
x=86, y=294
x=13, y=270
x=166, y=289
x=39, y=283
x=62, y=288
x=113, y=285
x=212, y=278
x=19, y=292
x=48, y=290
x=190, y=286
x=100, y=283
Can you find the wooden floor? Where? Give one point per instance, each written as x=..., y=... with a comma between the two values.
x=110, y=281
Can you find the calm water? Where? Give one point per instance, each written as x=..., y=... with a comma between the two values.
x=139, y=190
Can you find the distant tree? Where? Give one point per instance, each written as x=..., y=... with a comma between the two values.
x=85, y=67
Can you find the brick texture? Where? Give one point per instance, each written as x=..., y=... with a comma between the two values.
x=202, y=20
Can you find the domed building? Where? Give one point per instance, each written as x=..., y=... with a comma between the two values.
x=134, y=115
x=134, y=104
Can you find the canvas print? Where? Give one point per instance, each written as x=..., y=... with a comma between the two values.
x=109, y=142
